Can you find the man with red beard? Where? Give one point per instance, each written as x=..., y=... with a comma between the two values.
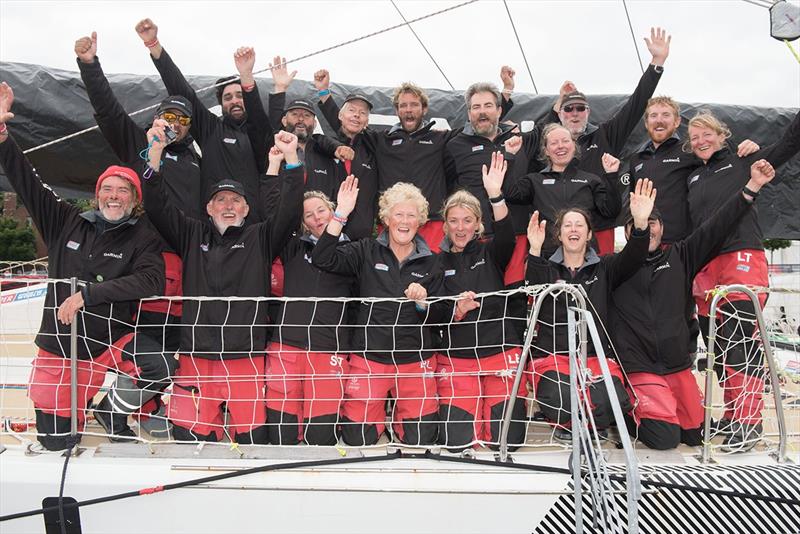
x=234, y=146
x=572, y=110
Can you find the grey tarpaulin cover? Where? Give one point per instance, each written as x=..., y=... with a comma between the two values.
x=50, y=103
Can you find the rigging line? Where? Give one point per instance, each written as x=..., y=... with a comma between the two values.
x=633, y=36
x=423, y=46
x=524, y=57
x=760, y=3
x=306, y=56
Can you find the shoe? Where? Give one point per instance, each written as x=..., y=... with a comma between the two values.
x=156, y=424
x=562, y=435
x=743, y=438
x=723, y=426
x=115, y=424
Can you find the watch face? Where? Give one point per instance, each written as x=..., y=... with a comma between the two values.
x=785, y=21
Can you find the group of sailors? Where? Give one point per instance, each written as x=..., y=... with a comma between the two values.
x=273, y=209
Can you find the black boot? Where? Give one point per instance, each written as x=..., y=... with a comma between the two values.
x=743, y=438
x=115, y=424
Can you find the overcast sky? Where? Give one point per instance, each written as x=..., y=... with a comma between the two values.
x=721, y=50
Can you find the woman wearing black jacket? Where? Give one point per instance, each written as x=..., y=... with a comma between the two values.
x=577, y=263
x=741, y=261
x=563, y=185
x=481, y=347
x=392, y=350
x=308, y=353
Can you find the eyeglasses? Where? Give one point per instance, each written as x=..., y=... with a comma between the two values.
x=172, y=118
x=574, y=107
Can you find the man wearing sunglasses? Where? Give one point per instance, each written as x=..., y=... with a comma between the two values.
x=234, y=146
x=572, y=110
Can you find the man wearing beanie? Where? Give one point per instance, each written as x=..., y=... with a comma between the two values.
x=117, y=262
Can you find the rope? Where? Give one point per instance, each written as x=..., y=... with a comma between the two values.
x=519, y=43
x=633, y=35
x=760, y=3
x=306, y=56
x=791, y=48
x=423, y=46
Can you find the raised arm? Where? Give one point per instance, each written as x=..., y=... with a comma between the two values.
x=126, y=138
x=168, y=219
x=623, y=265
x=203, y=120
x=346, y=259
x=48, y=212
x=287, y=217
x=620, y=126
x=706, y=241
x=538, y=270
x=329, y=108
x=507, y=77
x=782, y=151
x=259, y=128
x=606, y=198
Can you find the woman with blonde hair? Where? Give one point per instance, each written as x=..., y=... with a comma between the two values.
x=392, y=350
x=481, y=348
x=308, y=352
x=741, y=261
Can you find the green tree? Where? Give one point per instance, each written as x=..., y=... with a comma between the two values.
x=16, y=243
x=776, y=244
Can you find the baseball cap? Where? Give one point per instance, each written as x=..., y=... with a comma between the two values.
x=358, y=96
x=573, y=97
x=177, y=103
x=655, y=215
x=225, y=185
x=300, y=104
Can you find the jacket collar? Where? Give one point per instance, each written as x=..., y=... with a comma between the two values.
x=590, y=258
x=571, y=168
x=308, y=238
x=421, y=248
x=446, y=245
x=649, y=148
x=502, y=128
x=101, y=223
x=425, y=126
x=589, y=130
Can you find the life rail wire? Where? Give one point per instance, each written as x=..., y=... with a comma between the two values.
x=294, y=60
x=633, y=36
x=519, y=43
x=398, y=454
x=423, y=45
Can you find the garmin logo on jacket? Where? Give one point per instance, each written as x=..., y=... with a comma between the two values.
x=478, y=263
x=113, y=255
x=425, y=142
x=693, y=179
x=665, y=266
x=229, y=140
x=579, y=181
x=728, y=166
x=417, y=275
x=366, y=166
x=638, y=167
x=238, y=245
x=591, y=281
x=381, y=267
x=671, y=160
x=321, y=171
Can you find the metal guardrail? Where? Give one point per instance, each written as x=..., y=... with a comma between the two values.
x=580, y=431
x=720, y=293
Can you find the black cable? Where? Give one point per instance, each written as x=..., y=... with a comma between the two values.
x=71, y=441
x=633, y=36
x=423, y=46
x=393, y=456
x=524, y=57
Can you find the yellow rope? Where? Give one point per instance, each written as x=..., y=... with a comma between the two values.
x=793, y=51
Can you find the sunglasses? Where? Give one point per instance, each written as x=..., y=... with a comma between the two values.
x=574, y=107
x=172, y=118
